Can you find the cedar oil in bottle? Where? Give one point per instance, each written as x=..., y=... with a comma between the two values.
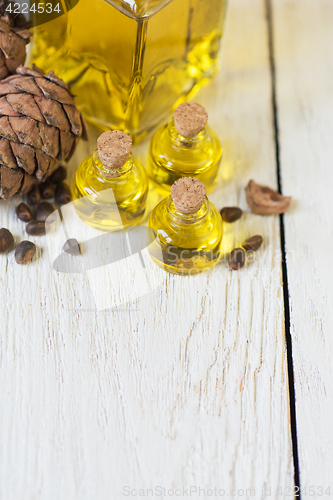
x=111, y=186
x=188, y=229
x=186, y=146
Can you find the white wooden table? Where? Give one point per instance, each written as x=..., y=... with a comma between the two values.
x=218, y=381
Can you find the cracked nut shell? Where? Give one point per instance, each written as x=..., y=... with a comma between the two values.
x=263, y=200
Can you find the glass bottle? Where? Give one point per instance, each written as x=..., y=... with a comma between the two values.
x=129, y=61
x=111, y=186
x=186, y=146
x=188, y=229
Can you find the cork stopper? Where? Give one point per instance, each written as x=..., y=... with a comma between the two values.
x=190, y=119
x=114, y=148
x=188, y=195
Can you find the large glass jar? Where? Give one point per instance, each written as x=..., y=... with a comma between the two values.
x=129, y=62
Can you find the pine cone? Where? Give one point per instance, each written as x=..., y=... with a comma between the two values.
x=39, y=125
x=14, y=35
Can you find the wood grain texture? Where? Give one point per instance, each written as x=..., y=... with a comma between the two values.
x=303, y=40
x=186, y=386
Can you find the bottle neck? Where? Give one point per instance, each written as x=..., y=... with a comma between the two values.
x=103, y=171
x=180, y=218
x=180, y=141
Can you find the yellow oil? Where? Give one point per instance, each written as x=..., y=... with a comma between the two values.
x=111, y=202
x=129, y=62
x=189, y=244
x=172, y=156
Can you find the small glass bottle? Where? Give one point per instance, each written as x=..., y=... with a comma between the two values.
x=186, y=146
x=111, y=186
x=188, y=229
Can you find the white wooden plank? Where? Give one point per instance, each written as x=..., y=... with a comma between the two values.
x=186, y=386
x=303, y=40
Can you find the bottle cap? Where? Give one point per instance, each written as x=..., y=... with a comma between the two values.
x=188, y=195
x=190, y=119
x=114, y=148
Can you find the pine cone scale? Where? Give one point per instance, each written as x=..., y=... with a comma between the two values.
x=53, y=113
x=6, y=108
x=16, y=85
x=46, y=165
x=72, y=151
x=3, y=72
x=27, y=183
x=13, y=63
x=22, y=33
x=67, y=141
x=50, y=138
x=55, y=79
x=6, y=129
x=26, y=130
x=6, y=155
x=25, y=104
x=54, y=91
x=10, y=182
x=74, y=117
x=5, y=26
x=13, y=47
x=25, y=156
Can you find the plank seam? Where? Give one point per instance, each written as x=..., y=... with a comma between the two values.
x=291, y=378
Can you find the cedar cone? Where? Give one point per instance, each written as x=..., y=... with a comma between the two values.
x=14, y=35
x=39, y=125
